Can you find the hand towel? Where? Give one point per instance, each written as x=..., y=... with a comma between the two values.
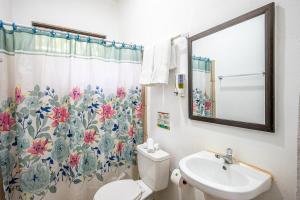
x=174, y=55
x=147, y=66
x=162, y=62
x=181, y=54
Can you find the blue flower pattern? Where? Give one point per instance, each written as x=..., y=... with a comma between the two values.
x=48, y=130
x=60, y=151
x=36, y=179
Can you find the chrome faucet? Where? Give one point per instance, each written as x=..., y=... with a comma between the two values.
x=227, y=158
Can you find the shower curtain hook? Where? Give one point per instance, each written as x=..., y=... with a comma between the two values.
x=14, y=26
x=68, y=36
x=52, y=33
x=34, y=30
x=89, y=39
x=101, y=41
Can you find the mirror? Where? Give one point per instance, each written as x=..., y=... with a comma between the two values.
x=231, y=78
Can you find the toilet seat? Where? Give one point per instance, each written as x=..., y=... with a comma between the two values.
x=121, y=189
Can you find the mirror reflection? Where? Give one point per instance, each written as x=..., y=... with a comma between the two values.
x=228, y=73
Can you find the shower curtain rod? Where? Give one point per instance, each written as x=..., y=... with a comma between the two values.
x=65, y=29
x=53, y=32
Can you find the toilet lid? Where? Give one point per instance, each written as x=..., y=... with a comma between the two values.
x=122, y=189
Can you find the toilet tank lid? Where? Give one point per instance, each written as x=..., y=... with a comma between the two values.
x=158, y=155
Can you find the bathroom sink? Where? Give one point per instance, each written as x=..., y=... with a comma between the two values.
x=226, y=181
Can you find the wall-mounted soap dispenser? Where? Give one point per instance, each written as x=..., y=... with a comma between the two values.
x=179, y=89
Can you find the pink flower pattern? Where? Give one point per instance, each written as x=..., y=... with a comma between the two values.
x=130, y=131
x=6, y=121
x=207, y=105
x=38, y=147
x=89, y=136
x=74, y=160
x=60, y=115
x=75, y=94
x=62, y=133
x=119, y=147
x=139, y=111
x=18, y=95
x=121, y=93
x=106, y=112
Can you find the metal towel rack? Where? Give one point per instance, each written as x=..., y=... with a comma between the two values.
x=186, y=35
x=221, y=77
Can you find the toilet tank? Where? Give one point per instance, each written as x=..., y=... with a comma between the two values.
x=153, y=168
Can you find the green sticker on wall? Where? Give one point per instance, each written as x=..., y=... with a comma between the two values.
x=163, y=120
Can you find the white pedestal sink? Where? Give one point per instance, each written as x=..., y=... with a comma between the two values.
x=237, y=182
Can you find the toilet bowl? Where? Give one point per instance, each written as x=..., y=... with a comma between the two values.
x=124, y=189
x=154, y=173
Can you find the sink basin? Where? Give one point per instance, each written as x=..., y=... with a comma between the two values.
x=234, y=182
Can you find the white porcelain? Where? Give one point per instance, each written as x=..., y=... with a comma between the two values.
x=147, y=192
x=154, y=173
x=121, y=189
x=154, y=168
x=239, y=182
x=127, y=189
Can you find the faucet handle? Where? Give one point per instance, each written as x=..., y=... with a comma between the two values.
x=229, y=151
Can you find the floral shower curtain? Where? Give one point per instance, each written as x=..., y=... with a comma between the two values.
x=70, y=114
x=202, y=86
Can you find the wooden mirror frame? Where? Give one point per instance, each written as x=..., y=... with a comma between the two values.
x=269, y=126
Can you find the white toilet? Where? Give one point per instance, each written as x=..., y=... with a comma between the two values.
x=154, y=173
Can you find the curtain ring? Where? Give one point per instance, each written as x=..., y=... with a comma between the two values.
x=14, y=26
x=101, y=41
x=34, y=30
x=68, y=36
x=52, y=33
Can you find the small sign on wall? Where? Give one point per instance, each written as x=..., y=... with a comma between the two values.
x=163, y=120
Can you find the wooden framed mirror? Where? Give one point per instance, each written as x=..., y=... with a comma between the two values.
x=231, y=72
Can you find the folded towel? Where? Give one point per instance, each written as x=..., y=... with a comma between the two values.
x=156, y=64
x=174, y=55
x=162, y=62
x=180, y=54
x=147, y=67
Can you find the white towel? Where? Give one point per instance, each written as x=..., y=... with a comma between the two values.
x=174, y=55
x=162, y=62
x=180, y=55
x=156, y=64
x=147, y=67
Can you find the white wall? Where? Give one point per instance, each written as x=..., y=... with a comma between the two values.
x=100, y=16
x=5, y=10
x=145, y=22
x=148, y=21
